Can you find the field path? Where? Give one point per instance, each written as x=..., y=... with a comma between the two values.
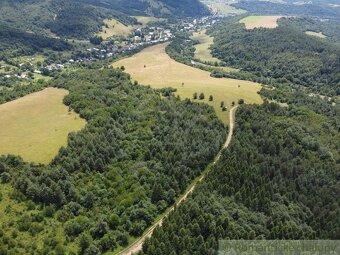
x=137, y=246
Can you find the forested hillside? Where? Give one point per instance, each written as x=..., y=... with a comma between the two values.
x=328, y=28
x=137, y=153
x=62, y=18
x=285, y=54
x=14, y=41
x=163, y=8
x=82, y=18
x=278, y=180
x=321, y=8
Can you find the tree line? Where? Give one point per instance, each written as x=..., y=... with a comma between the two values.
x=137, y=153
x=277, y=180
x=284, y=54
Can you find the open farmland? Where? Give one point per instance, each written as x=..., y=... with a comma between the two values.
x=154, y=67
x=37, y=125
x=252, y=22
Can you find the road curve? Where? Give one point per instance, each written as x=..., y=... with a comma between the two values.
x=137, y=246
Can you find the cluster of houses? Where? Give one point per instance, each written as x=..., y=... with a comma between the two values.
x=150, y=35
x=139, y=38
x=199, y=23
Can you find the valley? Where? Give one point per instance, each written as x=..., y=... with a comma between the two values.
x=203, y=48
x=154, y=67
x=156, y=127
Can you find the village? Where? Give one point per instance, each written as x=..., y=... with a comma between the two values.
x=112, y=48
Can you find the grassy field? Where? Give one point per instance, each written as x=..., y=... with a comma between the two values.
x=30, y=59
x=37, y=125
x=154, y=67
x=320, y=34
x=223, y=7
x=115, y=28
x=145, y=20
x=202, y=50
x=252, y=22
x=3, y=66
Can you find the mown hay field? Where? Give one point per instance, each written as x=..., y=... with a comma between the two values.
x=114, y=28
x=154, y=67
x=37, y=125
x=252, y=22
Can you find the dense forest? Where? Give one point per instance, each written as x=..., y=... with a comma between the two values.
x=17, y=42
x=62, y=18
x=159, y=8
x=182, y=49
x=82, y=18
x=137, y=153
x=312, y=8
x=329, y=28
x=278, y=180
x=284, y=54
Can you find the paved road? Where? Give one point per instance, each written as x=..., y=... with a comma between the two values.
x=138, y=244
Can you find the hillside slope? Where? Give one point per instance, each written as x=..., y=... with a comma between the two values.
x=284, y=53
x=82, y=18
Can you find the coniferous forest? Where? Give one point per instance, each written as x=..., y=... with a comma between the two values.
x=278, y=180
x=151, y=168
x=285, y=54
x=137, y=153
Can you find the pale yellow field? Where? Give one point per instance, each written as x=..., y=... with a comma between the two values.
x=252, y=22
x=161, y=71
x=145, y=20
x=224, y=8
x=202, y=50
x=320, y=34
x=37, y=125
x=115, y=28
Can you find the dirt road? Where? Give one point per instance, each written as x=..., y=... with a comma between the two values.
x=138, y=244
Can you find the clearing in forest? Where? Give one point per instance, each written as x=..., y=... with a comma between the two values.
x=113, y=27
x=146, y=19
x=223, y=7
x=317, y=34
x=252, y=22
x=154, y=67
x=203, y=51
x=37, y=125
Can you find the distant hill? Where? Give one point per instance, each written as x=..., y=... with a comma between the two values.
x=82, y=18
x=315, y=8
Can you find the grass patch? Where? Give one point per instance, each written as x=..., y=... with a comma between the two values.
x=161, y=71
x=30, y=59
x=37, y=125
x=223, y=8
x=252, y=22
x=203, y=51
x=320, y=34
x=115, y=28
x=146, y=19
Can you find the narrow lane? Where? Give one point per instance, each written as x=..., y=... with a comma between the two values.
x=137, y=246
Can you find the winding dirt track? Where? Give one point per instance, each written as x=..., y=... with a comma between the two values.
x=137, y=246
